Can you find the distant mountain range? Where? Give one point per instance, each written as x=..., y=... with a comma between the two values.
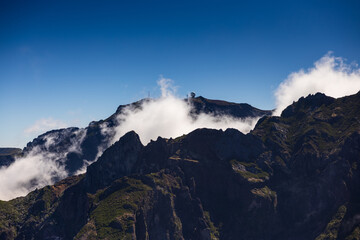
x=7, y=155
x=296, y=176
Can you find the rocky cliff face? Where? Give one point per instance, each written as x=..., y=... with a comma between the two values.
x=293, y=177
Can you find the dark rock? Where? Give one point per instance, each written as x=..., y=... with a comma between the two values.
x=117, y=161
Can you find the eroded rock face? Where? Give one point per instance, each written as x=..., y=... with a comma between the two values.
x=293, y=177
x=117, y=161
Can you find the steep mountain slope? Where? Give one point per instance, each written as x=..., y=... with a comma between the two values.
x=74, y=147
x=293, y=177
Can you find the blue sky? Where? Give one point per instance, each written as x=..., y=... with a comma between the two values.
x=75, y=61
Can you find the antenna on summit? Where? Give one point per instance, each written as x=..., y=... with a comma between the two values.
x=148, y=94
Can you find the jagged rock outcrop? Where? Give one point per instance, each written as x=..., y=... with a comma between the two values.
x=117, y=161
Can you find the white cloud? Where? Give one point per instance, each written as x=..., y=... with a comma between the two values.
x=35, y=170
x=330, y=75
x=40, y=167
x=45, y=124
x=169, y=116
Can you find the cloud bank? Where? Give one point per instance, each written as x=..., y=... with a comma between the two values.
x=40, y=167
x=169, y=116
x=37, y=169
x=330, y=75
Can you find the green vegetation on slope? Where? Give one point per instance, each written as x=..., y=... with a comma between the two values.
x=332, y=228
x=249, y=171
x=114, y=215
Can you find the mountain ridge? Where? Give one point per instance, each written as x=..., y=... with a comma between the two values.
x=92, y=140
x=292, y=177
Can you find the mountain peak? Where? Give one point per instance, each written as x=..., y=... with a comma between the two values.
x=117, y=161
x=309, y=103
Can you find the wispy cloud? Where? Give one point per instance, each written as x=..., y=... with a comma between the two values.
x=45, y=124
x=167, y=87
x=330, y=75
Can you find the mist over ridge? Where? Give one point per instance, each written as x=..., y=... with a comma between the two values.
x=169, y=117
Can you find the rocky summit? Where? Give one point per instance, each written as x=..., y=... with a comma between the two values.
x=296, y=176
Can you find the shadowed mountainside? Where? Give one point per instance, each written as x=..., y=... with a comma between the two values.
x=92, y=140
x=7, y=155
x=293, y=177
x=219, y=108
